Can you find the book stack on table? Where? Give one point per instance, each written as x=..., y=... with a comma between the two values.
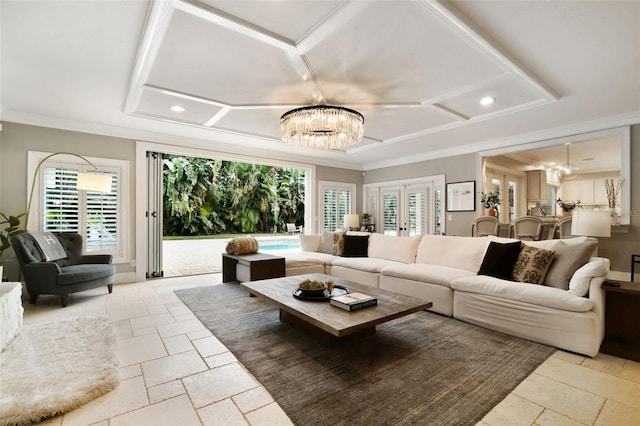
x=353, y=301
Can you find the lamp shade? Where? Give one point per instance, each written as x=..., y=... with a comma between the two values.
x=591, y=223
x=93, y=182
x=351, y=221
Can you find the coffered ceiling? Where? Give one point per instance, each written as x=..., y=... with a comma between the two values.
x=416, y=70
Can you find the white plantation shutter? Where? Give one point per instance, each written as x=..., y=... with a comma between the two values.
x=344, y=207
x=94, y=215
x=390, y=214
x=61, y=204
x=102, y=218
x=330, y=209
x=417, y=213
x=336, y=200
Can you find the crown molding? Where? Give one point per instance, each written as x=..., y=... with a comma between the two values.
x=235, y=144
x=625, y=119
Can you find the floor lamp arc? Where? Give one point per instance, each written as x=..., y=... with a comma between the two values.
x=85, y=181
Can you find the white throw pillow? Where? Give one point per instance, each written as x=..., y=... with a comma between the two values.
x=326, y=244
x=581, y=279
x=310, y=242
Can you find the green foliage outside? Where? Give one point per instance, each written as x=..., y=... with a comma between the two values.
x=207, y=197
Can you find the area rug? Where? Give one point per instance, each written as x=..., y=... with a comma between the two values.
x=421, y=369
x=53, y=367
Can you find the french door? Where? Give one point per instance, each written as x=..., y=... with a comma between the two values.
x=405, y=210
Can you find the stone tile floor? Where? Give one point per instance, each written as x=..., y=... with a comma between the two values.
x=175, y=372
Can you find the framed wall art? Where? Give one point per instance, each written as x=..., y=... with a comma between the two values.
x=461, y=196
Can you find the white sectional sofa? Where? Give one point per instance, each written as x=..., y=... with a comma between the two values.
x=566, y=311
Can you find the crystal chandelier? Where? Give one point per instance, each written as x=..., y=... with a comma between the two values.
x=322, y=127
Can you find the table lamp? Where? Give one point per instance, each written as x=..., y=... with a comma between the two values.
x=591, y=223
x=352, y=222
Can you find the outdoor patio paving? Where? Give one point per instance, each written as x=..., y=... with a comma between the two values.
x=194, y=257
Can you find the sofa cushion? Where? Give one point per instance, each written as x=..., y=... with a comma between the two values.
x=532, y=264
x=310, y=242
x=499, y=259
x=75, y=274
x=391, y=247
x=305, y=258
x=523, y=292
x=456, y=252
x=367, y=264
x=355, y=245
x=581, y=279
x=430, y=274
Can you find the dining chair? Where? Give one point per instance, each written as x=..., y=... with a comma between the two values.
x=526, y=228
x=562, y=228
x=485, y=225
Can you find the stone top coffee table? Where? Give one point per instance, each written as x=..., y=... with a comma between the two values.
x=329, y=323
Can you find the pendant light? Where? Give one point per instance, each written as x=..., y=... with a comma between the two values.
x=568, y=171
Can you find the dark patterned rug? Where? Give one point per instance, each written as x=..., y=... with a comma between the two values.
x=420, y=369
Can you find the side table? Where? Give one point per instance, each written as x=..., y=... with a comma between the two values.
x=251, y=267
x=622, y=319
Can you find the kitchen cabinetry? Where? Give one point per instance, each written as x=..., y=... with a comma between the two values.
x=588, y=191
x=536, y=185
x=600, y=193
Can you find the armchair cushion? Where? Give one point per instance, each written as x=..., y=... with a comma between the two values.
x=75, y=274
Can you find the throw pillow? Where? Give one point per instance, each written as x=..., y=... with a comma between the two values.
x=326, y=244
x=355, y=245
x=581, y=279
x=571, y=254
x=242, y=245
x=499, y=259
x=338, y=243
x=532, y=265
x=310, y=242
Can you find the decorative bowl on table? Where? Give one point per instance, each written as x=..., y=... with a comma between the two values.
x=312, y=288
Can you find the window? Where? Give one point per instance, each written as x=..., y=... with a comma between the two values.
x=336, y=201
x=58, y=206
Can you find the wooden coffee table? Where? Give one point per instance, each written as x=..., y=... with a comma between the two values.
x=326, y=322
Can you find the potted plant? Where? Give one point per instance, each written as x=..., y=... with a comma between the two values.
x=10, y=226
x=567, y=206
x=490, y=200
x=366, y=218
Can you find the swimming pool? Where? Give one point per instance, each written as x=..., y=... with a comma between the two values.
x=289, y=245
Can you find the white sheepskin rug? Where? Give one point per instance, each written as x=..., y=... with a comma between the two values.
x=53, y=367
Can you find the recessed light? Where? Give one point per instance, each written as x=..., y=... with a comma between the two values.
x=177, y=108
x=487, y=100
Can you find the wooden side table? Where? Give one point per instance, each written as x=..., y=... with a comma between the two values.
x=622, y=319
x=251, y=267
